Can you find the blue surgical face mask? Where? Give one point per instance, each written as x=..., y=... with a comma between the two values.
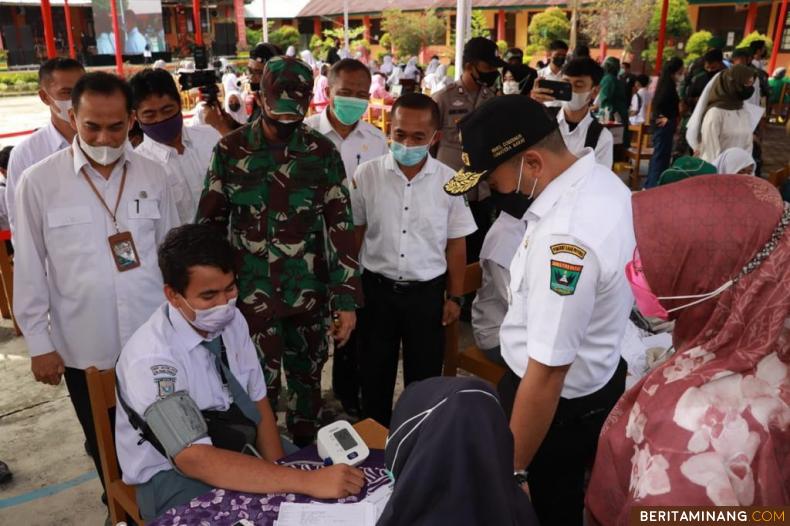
x=410, y=155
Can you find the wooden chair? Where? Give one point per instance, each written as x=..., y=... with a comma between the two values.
x=373, y=433
x=121, y=498
x=380, y=120
x=637, y=151
x=471, y=359
x=780, y=176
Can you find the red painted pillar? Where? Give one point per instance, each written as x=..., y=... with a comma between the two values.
x=751, y=17
x=780, y=24
x=69, y=34
x=500, y=25
x=116, y=29
x=662, y=35
x=49, y=33
x=241, y=28
x=196, y=22
x=366, y=22
x=317, y=26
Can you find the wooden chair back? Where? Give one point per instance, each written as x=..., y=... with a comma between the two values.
x=780, y=176
x=121, y=498
x=637, y=151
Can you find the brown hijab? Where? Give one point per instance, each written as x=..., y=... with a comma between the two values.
x=727, y=86
x=711, y=426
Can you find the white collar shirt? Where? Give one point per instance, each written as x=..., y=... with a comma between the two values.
x=575, y=140
x=166, y=355
x=38, y=146
x=408, y=222
x=548, y=74
x=569, y=298
x=364, y=143
x=186, y=172
x=639, y=103
x=69, y=295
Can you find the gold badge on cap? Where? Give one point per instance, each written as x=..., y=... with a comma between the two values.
x=462, y=182
x=465, y=159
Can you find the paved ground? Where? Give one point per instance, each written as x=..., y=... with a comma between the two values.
x=19, y=114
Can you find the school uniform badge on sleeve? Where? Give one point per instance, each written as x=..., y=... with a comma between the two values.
x=564, y=277
x=166, y=386
x=567, y=248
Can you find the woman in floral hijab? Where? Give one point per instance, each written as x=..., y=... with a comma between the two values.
x=711, y=426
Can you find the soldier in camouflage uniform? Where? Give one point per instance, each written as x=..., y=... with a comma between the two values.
x=277, y=187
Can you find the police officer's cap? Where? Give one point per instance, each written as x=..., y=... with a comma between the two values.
x=482, y=49
x=497, y=130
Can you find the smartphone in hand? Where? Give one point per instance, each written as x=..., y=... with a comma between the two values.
x=560, y=90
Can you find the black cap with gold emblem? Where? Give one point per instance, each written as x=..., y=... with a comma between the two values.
x=496, y=131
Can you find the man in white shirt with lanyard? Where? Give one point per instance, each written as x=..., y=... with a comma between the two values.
x=413, y=254
x=56, y=79
x=358, y=142
x=569, y=299
x=90, y=219
x=199, y=343
x=183, y=151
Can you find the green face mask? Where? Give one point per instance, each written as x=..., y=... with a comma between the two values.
x=349, y=110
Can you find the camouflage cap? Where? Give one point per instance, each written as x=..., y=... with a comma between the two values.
x=287, y=86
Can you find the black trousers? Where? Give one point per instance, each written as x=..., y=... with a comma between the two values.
x=78, y=391
x=557, y=472
x=395, y=315
x=345, y=372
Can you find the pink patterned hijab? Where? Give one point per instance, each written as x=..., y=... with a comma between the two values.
x=711, y=426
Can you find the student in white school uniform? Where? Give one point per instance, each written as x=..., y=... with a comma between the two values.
x=569, y=298
x=358, y=142
x=90, y=218
x=183, y=151
x=413, y=255
x=56, y=79
x=558, y=54
x=578, y=127
x=198, y=342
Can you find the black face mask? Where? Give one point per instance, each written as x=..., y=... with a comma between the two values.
x=746, y=92
x=558, y=61
x=284, y=130
x=513, y=203
x=486, y=79
x=234, y=107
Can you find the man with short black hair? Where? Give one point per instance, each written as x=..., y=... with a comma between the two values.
x=578, y=127
x=569, y=298
x=56, y=79
x=90, y=219
x=557, y=54
x=640, y=101
x=413, y=254
x=713, y=63
x=184, y=152
x=198, y=342
x=759, y=52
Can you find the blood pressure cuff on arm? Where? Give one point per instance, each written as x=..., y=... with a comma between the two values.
x=175, y=422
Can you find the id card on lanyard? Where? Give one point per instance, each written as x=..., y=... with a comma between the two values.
x=122, y=247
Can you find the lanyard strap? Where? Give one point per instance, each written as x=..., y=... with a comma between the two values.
x=114, y=211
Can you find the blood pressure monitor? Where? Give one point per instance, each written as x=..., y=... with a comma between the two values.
x=341, y=444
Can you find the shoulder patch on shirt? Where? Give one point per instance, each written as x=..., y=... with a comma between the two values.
x=564, y=277
x=164, y=369
x=166, y=386
x=567, y=248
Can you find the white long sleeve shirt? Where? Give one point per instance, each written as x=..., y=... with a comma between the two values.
x=69, y=295
x=724, y=129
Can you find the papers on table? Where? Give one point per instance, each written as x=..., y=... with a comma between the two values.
x=364, y=513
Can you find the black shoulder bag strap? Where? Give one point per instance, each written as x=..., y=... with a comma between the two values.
x=593, y=134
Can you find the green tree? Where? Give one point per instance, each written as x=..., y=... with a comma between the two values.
x=551, y=24
x=479, y=28
x=410, y=32
x=649, y=55
x=385, y=41
x=339, y=33
x=697, y=45
x=619, y=22
x=678, y=21
x=754, y=35
x=285, y=36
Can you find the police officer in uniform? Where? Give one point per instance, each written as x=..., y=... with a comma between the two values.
x=569, y=298
x=456, y=100
x=278, y=188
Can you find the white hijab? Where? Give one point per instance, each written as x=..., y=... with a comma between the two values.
x=290, y=52
x=307, y=57
x=387, y=66
x=733, y=160
x=239, y=115
x=432, y=66
x=411, y=70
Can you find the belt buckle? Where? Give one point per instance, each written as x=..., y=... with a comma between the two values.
x=399, y=287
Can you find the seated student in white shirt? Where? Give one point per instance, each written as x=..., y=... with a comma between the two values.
x=184, y=151
x=640, y=101
x=413, y=255
x=90, y=218
x=56, y=79
x=198, y=342
x=358, y=142
x=578, y=127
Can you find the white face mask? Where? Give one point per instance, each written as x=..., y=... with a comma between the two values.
x=578, y=101
x=62, y=107
x=215, y=319
x=103, y=155
x=510, y=87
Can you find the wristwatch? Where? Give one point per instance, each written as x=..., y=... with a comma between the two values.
x=520, y=477
x=459, y=300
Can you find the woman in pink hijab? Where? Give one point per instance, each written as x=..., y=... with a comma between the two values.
x=711, y=426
